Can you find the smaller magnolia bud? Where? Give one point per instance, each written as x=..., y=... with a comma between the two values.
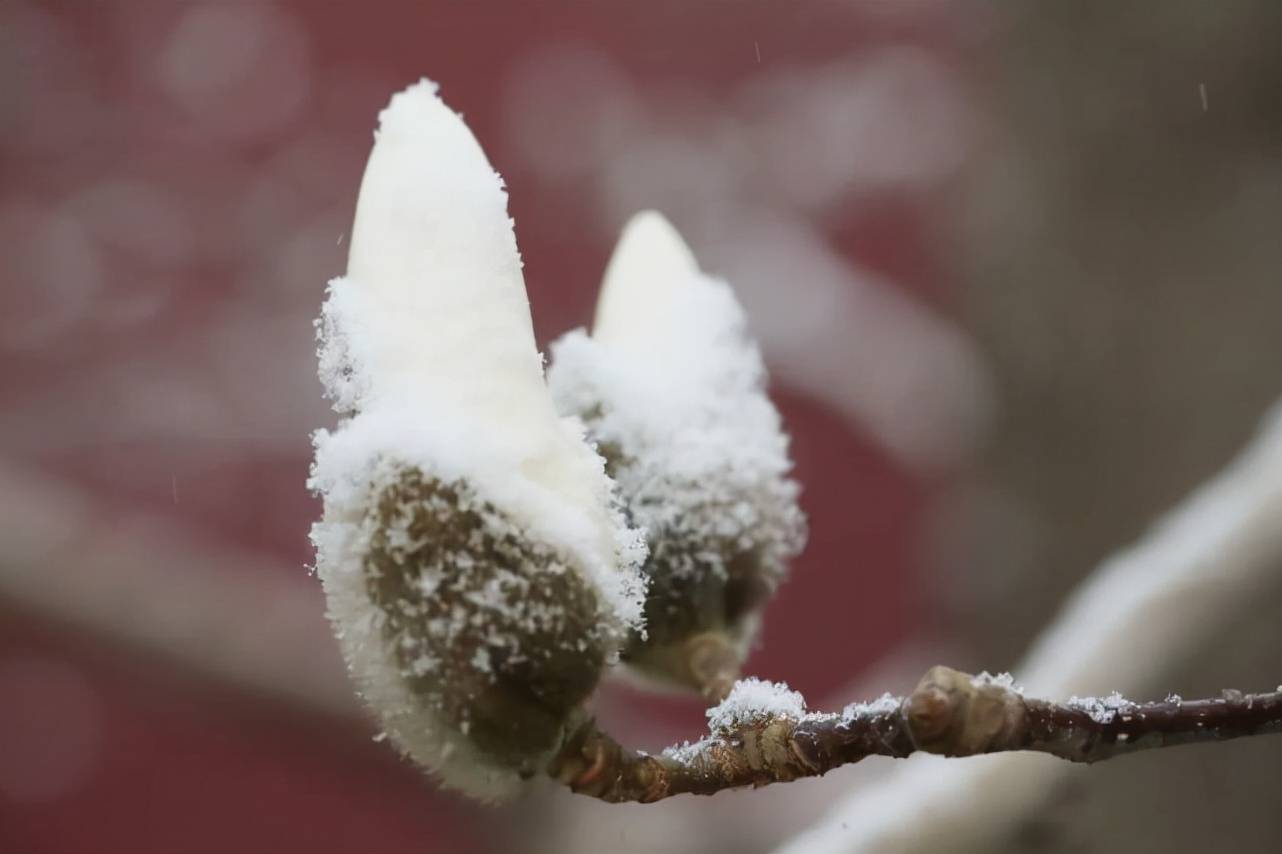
x=672, y=390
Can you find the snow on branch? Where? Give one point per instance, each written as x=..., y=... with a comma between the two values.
x=761, y=734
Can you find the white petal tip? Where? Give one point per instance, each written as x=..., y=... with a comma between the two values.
x=652, y=236
x=650, y=243
x=650, y=261
x=408, y=102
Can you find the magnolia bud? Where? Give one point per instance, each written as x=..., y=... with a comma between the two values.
x=477, y=572
x=673, y=391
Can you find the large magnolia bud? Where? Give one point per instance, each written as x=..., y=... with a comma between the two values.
x=672, y=389
x=477, y=573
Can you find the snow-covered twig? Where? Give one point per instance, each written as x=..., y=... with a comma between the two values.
x=761, y=734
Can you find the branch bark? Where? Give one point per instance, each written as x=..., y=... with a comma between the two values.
x=949, y=713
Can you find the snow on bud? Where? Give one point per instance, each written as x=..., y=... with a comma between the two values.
x=672, y=389
x=476, y=569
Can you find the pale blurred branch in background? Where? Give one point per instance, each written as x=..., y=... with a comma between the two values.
x=757, y=181
x=133, y=580
x=1127, y=629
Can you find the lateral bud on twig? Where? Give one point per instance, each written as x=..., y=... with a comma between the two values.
x=955, y=714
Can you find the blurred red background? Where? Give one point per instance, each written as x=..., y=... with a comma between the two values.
x=177, y=182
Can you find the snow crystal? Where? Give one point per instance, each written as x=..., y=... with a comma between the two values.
x=1001, y=680
x=884, y=704
x=1101, y=710
x=688, y=750
x=423, y=665
x=753, y=699
x=428, y=352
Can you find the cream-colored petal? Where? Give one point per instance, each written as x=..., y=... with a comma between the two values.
x=650, y=266
x=433, y=244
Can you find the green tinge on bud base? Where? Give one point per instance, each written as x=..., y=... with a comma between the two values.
x=704, y=593
x=496, y=633
x=701, y=610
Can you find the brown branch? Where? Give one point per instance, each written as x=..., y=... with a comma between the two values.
x=949, y=713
